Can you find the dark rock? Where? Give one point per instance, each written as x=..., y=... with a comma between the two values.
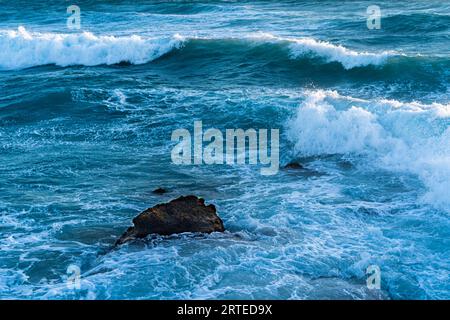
x=124, y=63
x=293, y=165
x=184, y=214
x=159, y=191
x=345, y=164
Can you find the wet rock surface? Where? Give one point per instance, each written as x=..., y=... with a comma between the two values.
x=184, y=214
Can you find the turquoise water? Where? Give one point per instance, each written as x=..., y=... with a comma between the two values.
x=86, y=118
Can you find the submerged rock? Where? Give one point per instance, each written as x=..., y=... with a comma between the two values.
x=184, y=214
x=293, y=165
x=159, y=191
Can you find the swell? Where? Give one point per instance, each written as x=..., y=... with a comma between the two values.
x=405, y=24
x=417, y=23
x=23, y=49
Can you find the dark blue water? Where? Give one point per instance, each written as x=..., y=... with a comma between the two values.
x=86, y=118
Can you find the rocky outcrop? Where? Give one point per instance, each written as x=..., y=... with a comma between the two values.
x=184, y=214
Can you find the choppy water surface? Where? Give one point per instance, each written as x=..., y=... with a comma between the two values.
x=86, y=118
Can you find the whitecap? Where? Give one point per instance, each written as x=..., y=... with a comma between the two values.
x=21, y=49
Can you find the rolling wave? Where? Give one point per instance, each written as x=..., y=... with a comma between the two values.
x=22, y=49
x=332, y=53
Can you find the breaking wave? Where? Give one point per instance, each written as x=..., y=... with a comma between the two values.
x=410, y=137
x=22, y=49
x=330, y=52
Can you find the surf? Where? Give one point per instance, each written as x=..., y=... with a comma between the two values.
x=397, y=136
x=22, y=49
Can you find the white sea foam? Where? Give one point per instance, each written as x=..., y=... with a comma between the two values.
x=409, y=137
x=21, y=49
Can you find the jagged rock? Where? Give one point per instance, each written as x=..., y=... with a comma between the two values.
x=159, y=191
x=293, y=165
x=184, y=214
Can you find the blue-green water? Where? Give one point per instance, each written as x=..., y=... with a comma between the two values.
x=86, y=118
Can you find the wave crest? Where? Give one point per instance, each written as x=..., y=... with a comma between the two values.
x=330, y=52
x=335, y=53
x=22, y=49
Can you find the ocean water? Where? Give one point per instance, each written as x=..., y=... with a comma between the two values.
x=86, y=118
